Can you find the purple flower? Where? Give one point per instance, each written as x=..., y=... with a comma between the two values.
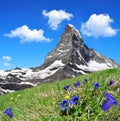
x=108, y=102
x=67, y=88
x=8, y=112
x=74, y=100
x=77, y=84
x=96, y=85
x=111, y=82
x=64, y=105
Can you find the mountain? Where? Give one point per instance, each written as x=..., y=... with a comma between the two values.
x=70, y=58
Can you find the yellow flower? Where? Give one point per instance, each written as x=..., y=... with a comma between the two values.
x=11, y=98
x=84, y=118
x=67, y=97
x=101, y=113
x=18, y=95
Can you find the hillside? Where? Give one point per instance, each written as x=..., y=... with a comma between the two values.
x=41, y=103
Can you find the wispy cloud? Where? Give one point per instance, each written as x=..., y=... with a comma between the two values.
x=55, y=17
x=6, y=64
x=28, y=35
x=98, y=25
x=6, y=58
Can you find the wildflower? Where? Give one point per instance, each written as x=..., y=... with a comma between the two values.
x=11, y=98
x=18, y=95
x=77, y=84
x=64, y=105
x=108, y=102
x=74, y=100
x=8, y=112
x=111, y=82
x=67, y=88
x=84, y=118
x=67, y=97
x=96, y=85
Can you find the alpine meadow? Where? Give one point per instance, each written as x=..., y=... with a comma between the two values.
x=90, y=97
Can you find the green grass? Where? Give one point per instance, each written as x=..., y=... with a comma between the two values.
x=41, y=103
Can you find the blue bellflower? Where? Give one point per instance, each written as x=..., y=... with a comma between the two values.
x=109, y=101
x=67, y=88
x=111, y=82
x=74, y=100
x=96, y=85
x=64, y=105
x=8, y=112
x=77, y=84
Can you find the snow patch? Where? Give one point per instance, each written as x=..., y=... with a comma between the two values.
x=17, y=72
x=63, y=51
x=49, y=56
x=50, y=70
x=6, y=90
x=78, y=71
x=3, y=74
x=94, y=66
x=27, y=83
x=80, y=57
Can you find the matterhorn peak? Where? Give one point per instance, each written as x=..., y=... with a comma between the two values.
x=70, y=58
x=69, y=42
x=71, y=29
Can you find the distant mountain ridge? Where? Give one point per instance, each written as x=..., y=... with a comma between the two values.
x=70, y=58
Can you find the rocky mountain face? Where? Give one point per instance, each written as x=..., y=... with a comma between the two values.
x=70, y=58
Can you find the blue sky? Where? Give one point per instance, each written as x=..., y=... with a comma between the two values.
x=30, y=29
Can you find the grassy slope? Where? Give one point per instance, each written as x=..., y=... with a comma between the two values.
x=41, y=103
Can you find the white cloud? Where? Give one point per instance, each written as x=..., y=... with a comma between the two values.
x=28, y=35
x=6, y=64
x=6, y=58
x=98, y=25
x=56, y=17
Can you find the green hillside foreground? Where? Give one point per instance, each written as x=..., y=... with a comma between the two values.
x=41, y=103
